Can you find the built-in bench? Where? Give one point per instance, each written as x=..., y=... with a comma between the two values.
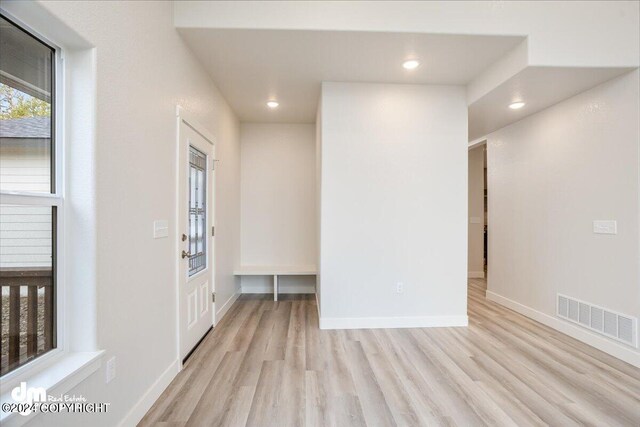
x=276, y=271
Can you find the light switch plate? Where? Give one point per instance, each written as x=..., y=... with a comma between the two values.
x=605, y=226
x=160, y=229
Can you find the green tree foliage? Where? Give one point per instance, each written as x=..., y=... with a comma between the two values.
x=15, y=104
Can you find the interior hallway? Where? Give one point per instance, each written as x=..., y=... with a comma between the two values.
x=267, y=363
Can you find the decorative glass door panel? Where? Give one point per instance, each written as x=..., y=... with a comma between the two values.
x=197, y=211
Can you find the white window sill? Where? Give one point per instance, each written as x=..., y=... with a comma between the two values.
x=61, y=376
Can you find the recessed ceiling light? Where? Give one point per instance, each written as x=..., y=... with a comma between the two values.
x=411, y=64
x=516, y=105
x=272, y=104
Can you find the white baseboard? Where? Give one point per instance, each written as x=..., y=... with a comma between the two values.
x=282, y=289
x=226, y=306
x=392, y=322
x=601, y=343
x=475, y=274
x=150, y=396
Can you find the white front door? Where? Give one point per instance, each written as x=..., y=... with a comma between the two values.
x=195, y=240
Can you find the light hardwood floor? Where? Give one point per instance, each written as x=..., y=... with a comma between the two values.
x=268, y=364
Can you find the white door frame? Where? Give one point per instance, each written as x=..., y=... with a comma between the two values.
x=183, y=116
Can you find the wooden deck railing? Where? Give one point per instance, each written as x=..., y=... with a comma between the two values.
x=27, y=328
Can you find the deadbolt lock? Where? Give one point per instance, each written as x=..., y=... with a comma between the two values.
x=184, y=237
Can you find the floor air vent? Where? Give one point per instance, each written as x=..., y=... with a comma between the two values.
x=606, y=322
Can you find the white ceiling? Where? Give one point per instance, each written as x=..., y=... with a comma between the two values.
x=539, y=88
x=251, y=66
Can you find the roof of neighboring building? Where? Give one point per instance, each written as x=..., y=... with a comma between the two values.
x=26, y=127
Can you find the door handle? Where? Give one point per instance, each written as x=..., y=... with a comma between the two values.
x=186, y=254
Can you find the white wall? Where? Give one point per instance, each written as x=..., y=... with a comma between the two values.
x=476, y=213
x=550, y=176
x=142, y=70
x=278, y=199
x=393, y=205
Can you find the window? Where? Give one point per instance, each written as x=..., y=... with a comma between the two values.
x=197, y=211
x=31, y=200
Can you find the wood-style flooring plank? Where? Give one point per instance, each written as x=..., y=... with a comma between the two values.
x=268, y=364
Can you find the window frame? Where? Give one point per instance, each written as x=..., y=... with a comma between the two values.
x=55, y=198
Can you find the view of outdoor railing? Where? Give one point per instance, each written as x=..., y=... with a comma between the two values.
x=26, y=315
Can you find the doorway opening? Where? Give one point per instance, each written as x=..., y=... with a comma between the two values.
x=486, y=212
x=478, y=205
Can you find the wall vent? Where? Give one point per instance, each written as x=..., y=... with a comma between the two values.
x=609, y=323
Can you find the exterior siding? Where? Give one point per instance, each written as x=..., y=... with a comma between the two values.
x=25, y=164
x=25, y=231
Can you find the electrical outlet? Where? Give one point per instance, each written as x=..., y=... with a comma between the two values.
x=111, y=370
x=399, y=287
